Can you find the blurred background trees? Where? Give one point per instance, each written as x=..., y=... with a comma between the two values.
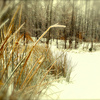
x=81, y=18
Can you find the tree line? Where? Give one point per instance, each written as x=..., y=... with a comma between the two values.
x=80, y=17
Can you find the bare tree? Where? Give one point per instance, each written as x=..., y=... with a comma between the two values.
x=49, y=18
x=71, y=27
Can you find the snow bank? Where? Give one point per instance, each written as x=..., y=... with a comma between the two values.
x=86, y=82
x=85, y=76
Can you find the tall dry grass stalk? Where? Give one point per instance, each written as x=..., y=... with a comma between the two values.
x=23, y=66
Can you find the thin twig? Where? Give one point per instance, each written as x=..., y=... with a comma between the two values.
x=4, y=23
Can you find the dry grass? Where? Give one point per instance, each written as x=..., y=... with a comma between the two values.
x=24, y=66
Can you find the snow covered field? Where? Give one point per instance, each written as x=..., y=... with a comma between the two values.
x=85, y=77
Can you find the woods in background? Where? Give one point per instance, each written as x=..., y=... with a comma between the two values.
x=81, y=18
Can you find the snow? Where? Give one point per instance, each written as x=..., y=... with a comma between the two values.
x=85, y=77
x=86, y=84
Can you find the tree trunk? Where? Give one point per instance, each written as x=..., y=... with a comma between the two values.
x=50, y=22
x=72, y=28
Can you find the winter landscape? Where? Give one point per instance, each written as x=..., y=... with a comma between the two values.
x=84, y=79
x=49, y=49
